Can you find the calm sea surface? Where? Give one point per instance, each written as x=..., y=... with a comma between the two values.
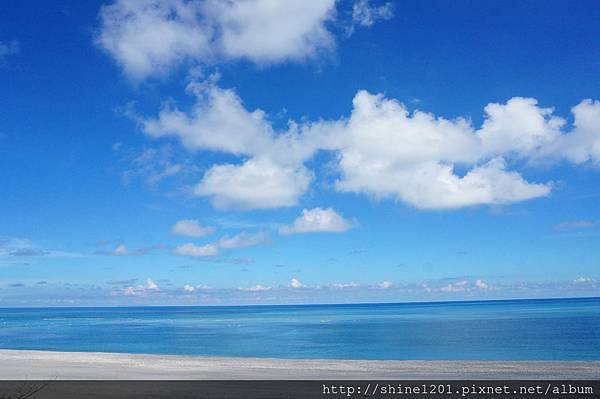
x=557, y=329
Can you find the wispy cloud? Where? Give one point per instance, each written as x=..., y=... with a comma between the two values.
x=576, y=224
x=191, y=228
x=24, y=248
x=155, y=165
x=196, y=251
x=365, y=14
x=342, y=286
x=8, y=49
x=130, y=281
x=240, y=240
x=255, y=288
x=243, y=240
x=122, y=250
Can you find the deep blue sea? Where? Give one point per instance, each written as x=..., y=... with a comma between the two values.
x=553, y=329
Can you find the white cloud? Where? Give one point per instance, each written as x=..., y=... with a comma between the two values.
x=240, y=240
x=481, y=285
x=365, y=14
x=255, y=184
x=139, y=290
x=148, y=38
x=317, y=220
x=582, y=143
x=196, y=251
x=272, y=31
x=217, y=122
x=411, y=158
x=151, y=285
x=191, y=228
x=255, y=288
x=584, y=280
x=385, y=285
x=342, y=286
x=382, y=150
x=271, y=174
x=296, y=284
x=243, y=240
x=121, y=250
x=189, y=288
x=520, y=126
x=460, y=286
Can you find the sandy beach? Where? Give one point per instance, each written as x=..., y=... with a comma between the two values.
x=41, y=365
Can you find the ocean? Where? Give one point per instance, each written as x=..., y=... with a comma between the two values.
x=549, y=329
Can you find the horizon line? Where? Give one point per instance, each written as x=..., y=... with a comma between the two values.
x=307, y=304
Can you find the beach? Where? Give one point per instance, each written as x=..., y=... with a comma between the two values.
x=48, y=365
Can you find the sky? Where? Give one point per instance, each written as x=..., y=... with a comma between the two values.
x=204, y=152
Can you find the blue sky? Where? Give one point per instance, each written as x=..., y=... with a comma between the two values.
x=247, y=152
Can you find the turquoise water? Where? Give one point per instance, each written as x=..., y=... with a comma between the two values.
x=556, y=329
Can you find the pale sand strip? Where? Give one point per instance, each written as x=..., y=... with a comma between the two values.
x=41, y=365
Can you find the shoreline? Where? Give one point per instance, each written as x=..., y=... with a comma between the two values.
x=50, y=365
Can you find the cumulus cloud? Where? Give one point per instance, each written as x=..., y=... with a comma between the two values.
x=480, y=284
x=317, y=220
x=272, y=173
x=121, y=250
x=520, y=126
x=582, y=143
x=148, y=38
x=296, y=284
x=272, y=31
x=191, y=228
x=151, y=285
x=255, y=184
x=189, y=288
x=385, y=285
x=411, y=157
x=139, y=290
x=255, y=288
x=382, y=150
